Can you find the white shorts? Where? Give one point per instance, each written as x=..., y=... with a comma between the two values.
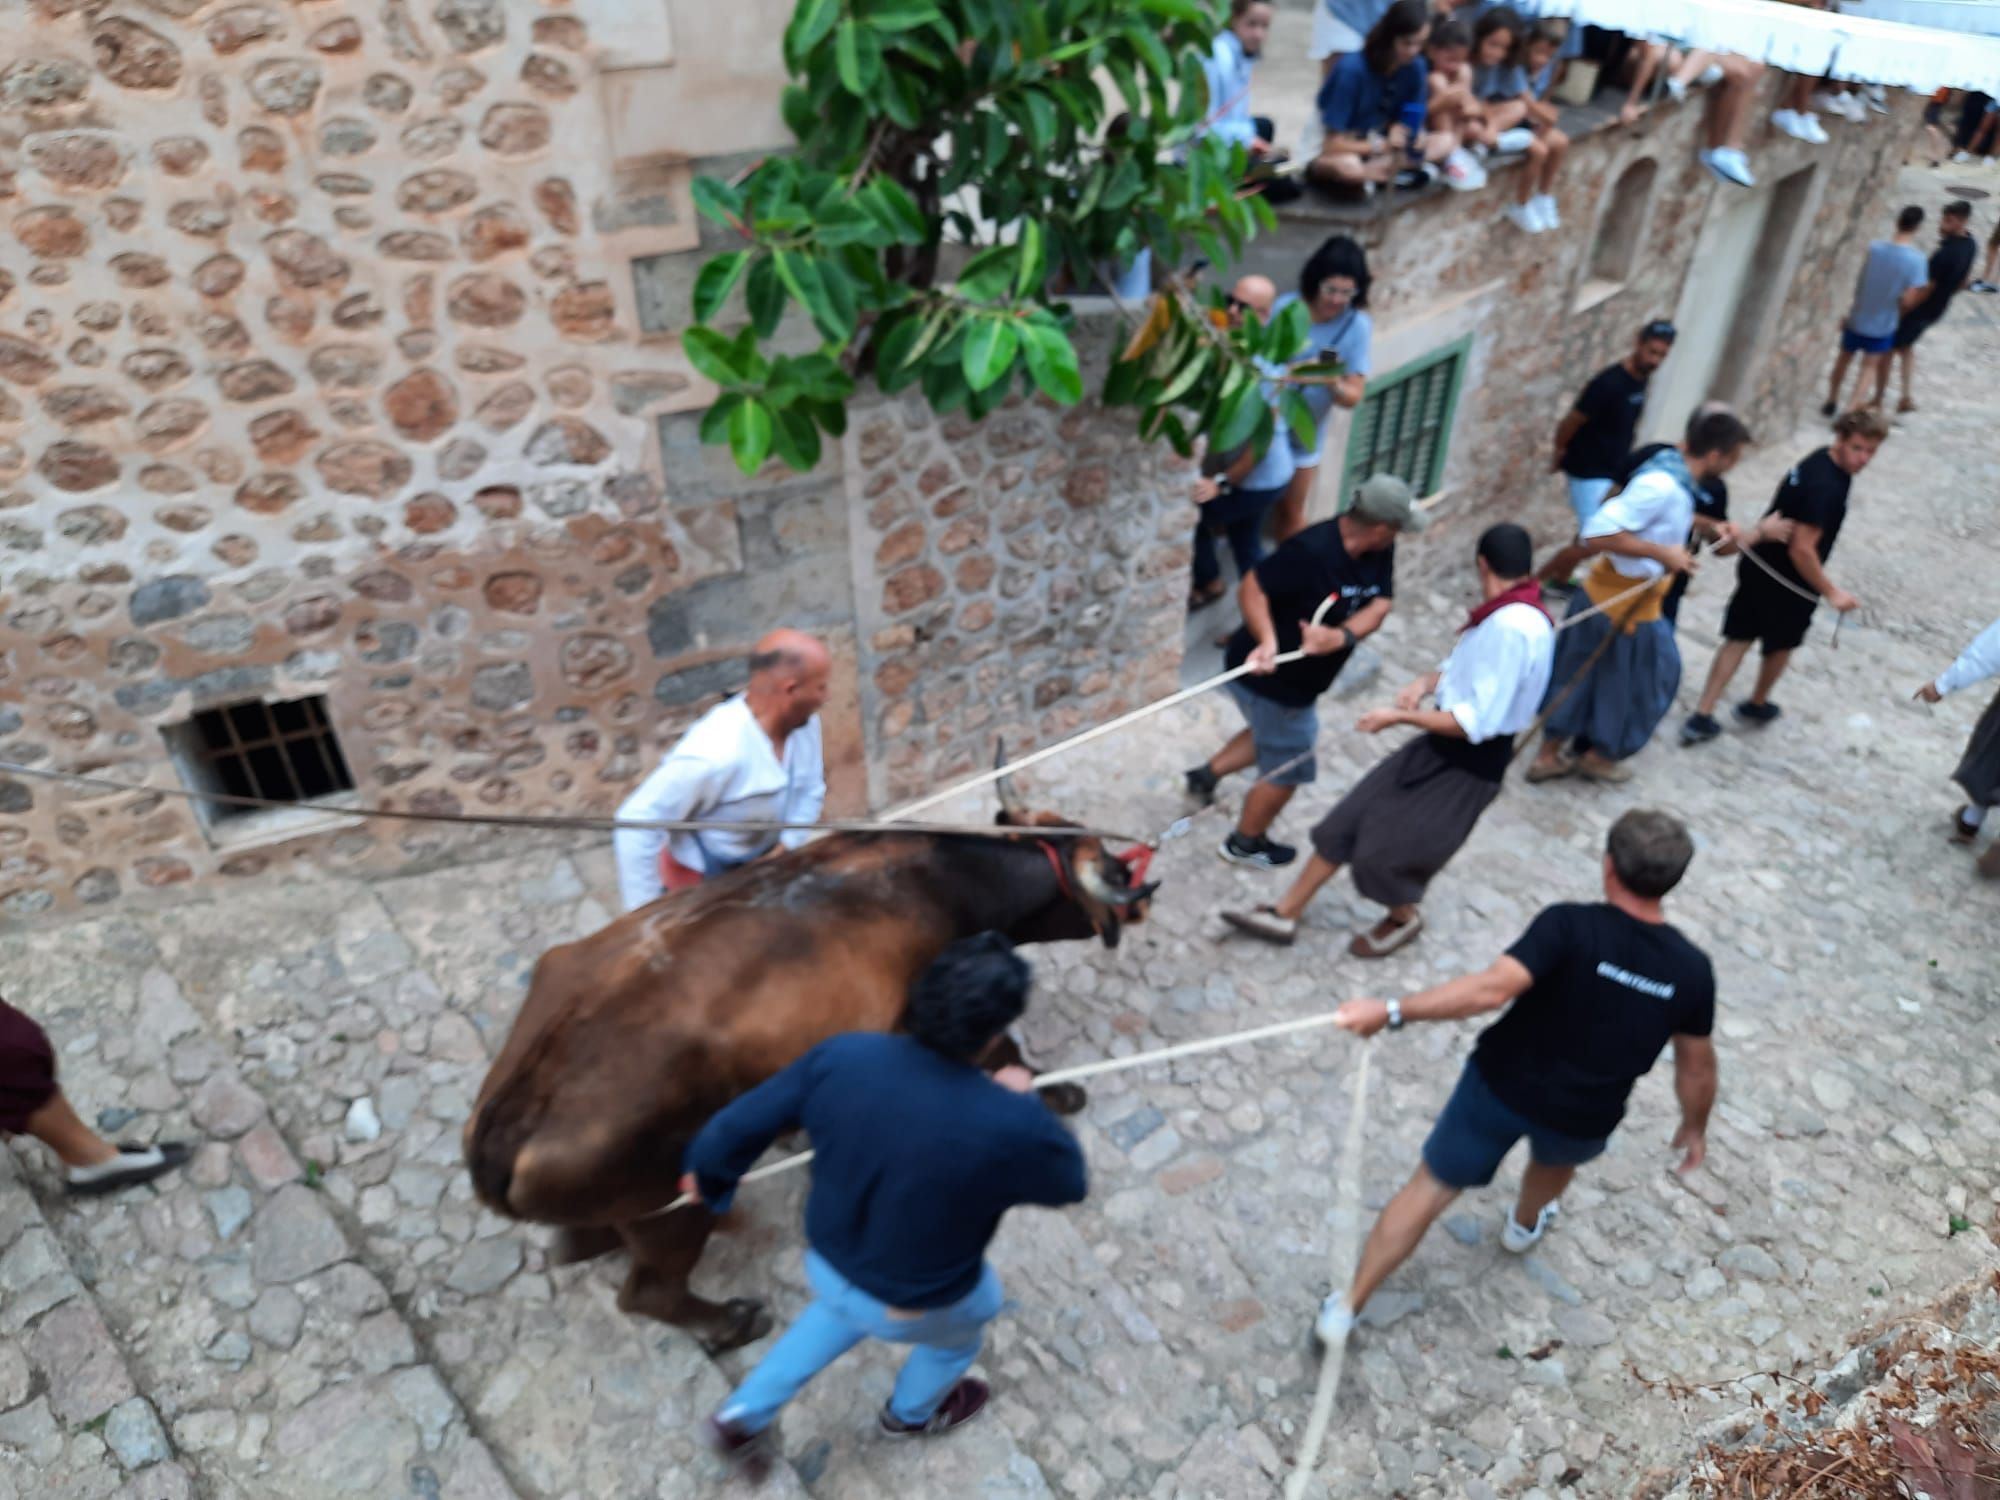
x=1330, y=36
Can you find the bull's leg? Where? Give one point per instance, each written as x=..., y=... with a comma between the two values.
x=576, y=1245
x=1061, y=1098
x=664, y=1252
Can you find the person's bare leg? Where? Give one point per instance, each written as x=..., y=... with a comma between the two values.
x=1261, y=806
x=1401, y=1228
x=1540, y=1186
x=1729, y=112
x=1906, y=358
x=1290, y=516
x=1878, y=365
x=1769, y=670
x=1238, y=755
x=1318, y=872
x=75, y=1144
x=1728, y=657
x=1839, y=377
x=1531, y=174
x=1558, y=148
x=1344, y=169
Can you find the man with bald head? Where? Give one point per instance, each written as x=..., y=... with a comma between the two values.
x=752, y=759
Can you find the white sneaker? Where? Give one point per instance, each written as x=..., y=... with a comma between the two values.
x=1710, y=75
x=1524, y=218
x=1513, y=1237
x=1791, y=122
x=1729, y=164
x=1511, y=142
x=1960, y=157
x=1464, y=171
x=1678, y=90
x=1833, y=104
x=1544, y=204
x=1877, y=98
x=1815, y=132
x=1335, y=1321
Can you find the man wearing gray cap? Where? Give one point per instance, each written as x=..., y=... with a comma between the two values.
x=1320, y=592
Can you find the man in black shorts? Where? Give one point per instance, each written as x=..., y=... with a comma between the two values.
x=1950, y=267
x=1773, y=604
x=1597, y=992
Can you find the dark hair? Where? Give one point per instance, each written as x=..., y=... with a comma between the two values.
x=1909, y=218
x=1660, y=328
x=1864, y=421
x=972, y=992
x=1404, y=18
x=1449, y=33
x=1508, y=550
x=1339, y=256
x=1958, y=208
x=782, y=659
x=1547, y=29
x=1716, y=432
x=1237, y=7
x=1650, y=851
x=1500, y=18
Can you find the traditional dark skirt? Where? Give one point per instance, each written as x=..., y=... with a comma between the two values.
x=1979, y=771
x=27, y=1070
x=1407, y=817
x=1622, y=699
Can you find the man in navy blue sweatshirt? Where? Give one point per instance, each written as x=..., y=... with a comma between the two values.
x=917, y=1154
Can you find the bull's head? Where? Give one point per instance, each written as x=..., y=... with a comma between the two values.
x=1108, y=889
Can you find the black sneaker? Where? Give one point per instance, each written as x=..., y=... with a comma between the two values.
x=961, y=1404
x=1201, y=784
x=1827, y=408
x=1983, y=286
x=1756, y=713
x=132, y=1166
x=1265, y=854
x=1699, y=729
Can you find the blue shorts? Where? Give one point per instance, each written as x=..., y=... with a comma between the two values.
x=1281, y=732
x=1475, y=1131
x=1866, y=343
x=1586, y=495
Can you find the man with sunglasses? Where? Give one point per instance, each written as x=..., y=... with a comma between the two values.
x=1594, y=441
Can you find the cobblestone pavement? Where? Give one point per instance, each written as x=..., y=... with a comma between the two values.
x=318, y=1308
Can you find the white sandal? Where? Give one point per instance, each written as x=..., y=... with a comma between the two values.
x=1367, y=945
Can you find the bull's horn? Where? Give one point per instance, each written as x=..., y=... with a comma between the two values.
x=1090, y=880
x=1010, y=796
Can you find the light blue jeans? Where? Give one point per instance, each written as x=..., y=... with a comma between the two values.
x=1586, y=495
x=840, y=1316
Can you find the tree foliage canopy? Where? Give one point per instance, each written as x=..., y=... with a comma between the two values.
x=959, y=163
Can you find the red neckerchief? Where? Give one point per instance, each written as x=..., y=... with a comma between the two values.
x=1527, y=591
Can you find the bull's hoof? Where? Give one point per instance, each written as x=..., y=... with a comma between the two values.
x=1065, y=1098
x=573, y=1247
x=744, y=1322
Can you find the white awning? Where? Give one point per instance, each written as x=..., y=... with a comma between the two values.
x=1802, y=40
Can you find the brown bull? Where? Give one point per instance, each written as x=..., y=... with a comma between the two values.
x=631, y=1038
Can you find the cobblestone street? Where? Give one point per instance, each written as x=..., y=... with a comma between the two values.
x=318, y=1308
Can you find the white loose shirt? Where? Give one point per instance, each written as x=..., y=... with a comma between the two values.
x=1655, y=507
x=1496, y=676
x=1227, y=68
x=1976, y=663
x=725, y=768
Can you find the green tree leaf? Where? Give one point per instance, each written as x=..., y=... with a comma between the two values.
x=897, y=15
x=717, y=200
x=715, y=281
x=712, y=355
x=750, y=435
x=990, y=346
x=858, y=55
x=810, y=24
x=715, y=421
x=1299, y=418
x=1051, y=360
x=795, y=439
x=988, y=274
x=765, y=294
x=1238, y=418
x=1033, y=265
x=1187, y=11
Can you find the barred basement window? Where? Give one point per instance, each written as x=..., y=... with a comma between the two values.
x=1403, y=425
x=280, y=752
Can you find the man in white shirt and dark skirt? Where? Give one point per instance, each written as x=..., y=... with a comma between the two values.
x=1979, y=768
x=753, y=759
x=1408, y=816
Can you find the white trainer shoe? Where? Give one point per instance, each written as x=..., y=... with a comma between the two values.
x=1544, y=204
x=1524, y=218
x=1335, y=1321
x=1815, y=132
x=1729, y=164
x=1513, y=1237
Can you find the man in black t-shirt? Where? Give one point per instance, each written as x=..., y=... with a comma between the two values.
x=1320, y=592
x=1950, y=269
x=1779, y=583
x=1597, y=993
x=1594, y=440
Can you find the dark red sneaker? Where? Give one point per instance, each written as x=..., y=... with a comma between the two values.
x=746, y=1450
x=961, y=1404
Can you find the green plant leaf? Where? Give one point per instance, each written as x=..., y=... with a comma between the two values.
x=1041, y=118
x=1238, y=417
x=1188, y=374
x=715, y=421
x=765, y=295
x=902, y=210
x=1052, y=363
x=858, y=56
x=1299, y=418
x=989, y=351
x=795, y=439
x=715, y=282
x=712, y=355
x=1180, y=10
x=810, y=23
x=800, y=274
x=1034, y=266
x=988, y=274
x=897, y=15
x=717, y=200
x=750, y=435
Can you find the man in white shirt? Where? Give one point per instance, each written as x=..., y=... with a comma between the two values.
x=753, y=759
x=1979, y=770
x=1609, y=696
x=1405, y=819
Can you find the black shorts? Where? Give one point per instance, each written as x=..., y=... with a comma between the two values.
x=1913, y=327
x=1767, y=614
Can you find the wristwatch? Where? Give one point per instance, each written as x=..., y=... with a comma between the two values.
x=1395, y=1015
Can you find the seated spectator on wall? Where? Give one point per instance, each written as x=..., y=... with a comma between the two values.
x=1454, y=107
x=1373, y=107
x=1227, y=68
x=1735, y=79
x=1794, y=114
x=1512, y=91
x=1340, y=27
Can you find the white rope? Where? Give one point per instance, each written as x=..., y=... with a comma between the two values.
x=1071, y=1075
x=1341, y=1256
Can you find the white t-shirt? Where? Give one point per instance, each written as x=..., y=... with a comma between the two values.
x=1495, y=679
x=1654, y=507
x=726, y=768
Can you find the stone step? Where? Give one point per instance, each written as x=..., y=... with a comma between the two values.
x=274, y=1358
x=369, y=1025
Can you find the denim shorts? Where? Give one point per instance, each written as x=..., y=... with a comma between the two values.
x=1866, y=343
x=1586, y=495
x=1281, y=732
x=1475, y=1132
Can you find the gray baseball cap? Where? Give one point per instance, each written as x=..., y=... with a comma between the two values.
x=1386, y=497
